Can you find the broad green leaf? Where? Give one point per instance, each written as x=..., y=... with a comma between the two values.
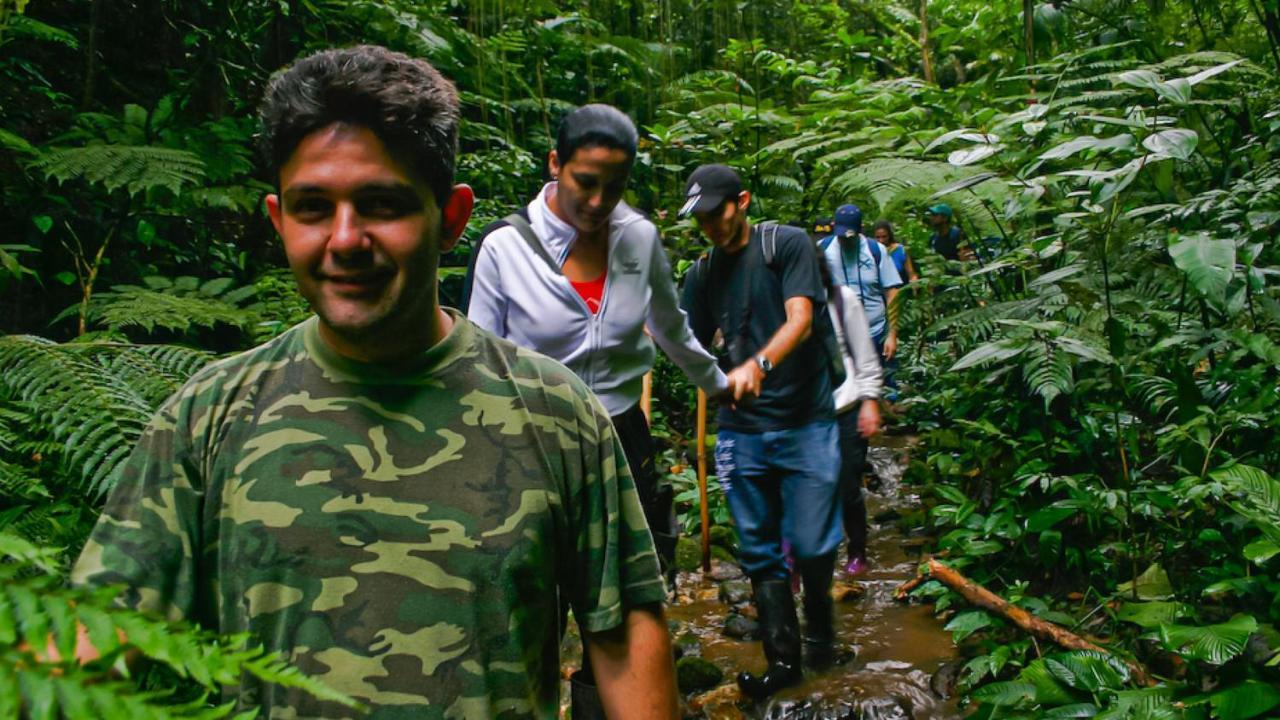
x=1088, y=142
x=1209, y=263
x=963, y=184
x=1177, y=143
x=1139, y=78
x=1089, y=671
x=969, y=156
x=1152, y=584
x=1215, y=644
x=1074, y=710
x=967, y=623
x=1152, y=614
x=43, y=223
x=1047, y=517
x=1010, y=693
x=1215, y=70
x=992, y=351
x=960, y=134
x=1249, y=699
x=1260, y=551
x=1049, y=690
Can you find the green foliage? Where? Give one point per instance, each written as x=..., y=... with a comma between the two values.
x=39, y=616
x=179, y=305
x=91, y=399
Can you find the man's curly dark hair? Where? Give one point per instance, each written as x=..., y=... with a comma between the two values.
x=406, y=102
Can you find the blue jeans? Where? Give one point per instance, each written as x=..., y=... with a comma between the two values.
x=782, y=484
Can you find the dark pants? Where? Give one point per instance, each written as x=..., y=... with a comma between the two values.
x=853, y=462
x=655, y=498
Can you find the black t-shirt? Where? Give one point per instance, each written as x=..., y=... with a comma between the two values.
x=949, y=246
x=745, y=299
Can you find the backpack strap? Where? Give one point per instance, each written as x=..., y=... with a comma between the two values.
x=521, y=223
x=769, y=241
x=469, y=281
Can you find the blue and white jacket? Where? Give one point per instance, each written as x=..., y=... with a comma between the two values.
x=517, y=296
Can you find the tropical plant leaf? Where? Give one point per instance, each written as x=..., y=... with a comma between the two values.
x=1215, y=644
x=1208, y=262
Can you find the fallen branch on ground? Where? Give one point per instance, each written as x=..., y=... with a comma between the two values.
x=907, y=587
x=987, y=600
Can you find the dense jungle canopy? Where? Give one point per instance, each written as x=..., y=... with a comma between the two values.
x=1095, y=396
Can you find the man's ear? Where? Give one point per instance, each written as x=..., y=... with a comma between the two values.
x=744, y=200
x=553, y=164
x=276, y=211
x=454, y=216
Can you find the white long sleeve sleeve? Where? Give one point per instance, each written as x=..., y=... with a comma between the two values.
x=864, y=377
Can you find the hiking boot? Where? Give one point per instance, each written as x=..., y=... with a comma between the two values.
x=780, y=632
x=819, y=620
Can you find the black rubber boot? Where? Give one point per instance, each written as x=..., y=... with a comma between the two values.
x=819, y=628
x=780, y=632
x=584, y=697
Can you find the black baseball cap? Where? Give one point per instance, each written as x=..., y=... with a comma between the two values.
x=708, y=187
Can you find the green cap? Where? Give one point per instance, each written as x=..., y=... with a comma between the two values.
x=940, y=209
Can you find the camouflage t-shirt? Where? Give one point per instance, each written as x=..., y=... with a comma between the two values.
x=403, y=533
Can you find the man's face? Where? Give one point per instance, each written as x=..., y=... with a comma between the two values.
x=590, y=184
x=937, y=220
x=363, y=236
x=882, y=235
x=723, y=226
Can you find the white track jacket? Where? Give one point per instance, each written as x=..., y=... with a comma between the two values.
x=516, y=295
x=862, y=372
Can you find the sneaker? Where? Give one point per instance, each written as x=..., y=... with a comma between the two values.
x=856, y=566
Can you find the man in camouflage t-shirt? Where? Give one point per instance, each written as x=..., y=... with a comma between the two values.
x=386, y=493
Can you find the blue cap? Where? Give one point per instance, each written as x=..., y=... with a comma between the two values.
x=848, y=217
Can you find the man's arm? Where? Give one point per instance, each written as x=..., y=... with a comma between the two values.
x=633, y=667
x=891, y=318
x=747, y=377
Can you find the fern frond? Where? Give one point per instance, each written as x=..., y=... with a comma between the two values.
x=96, y=414
x=136, y=168
x=35, y=610
x=183, y=305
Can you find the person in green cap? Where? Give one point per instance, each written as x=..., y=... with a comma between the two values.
x=947, y=240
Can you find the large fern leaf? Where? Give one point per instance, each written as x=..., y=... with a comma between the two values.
x=136, y=168
x=87, y=398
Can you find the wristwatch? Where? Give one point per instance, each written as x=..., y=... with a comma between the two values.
x=765, y=365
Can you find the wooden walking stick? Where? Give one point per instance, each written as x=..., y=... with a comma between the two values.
x=646, y=397
x=702, y=481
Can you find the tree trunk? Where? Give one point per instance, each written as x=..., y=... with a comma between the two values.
x=925, y=59
x=90, y=56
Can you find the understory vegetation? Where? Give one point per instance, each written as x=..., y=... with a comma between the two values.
x=1096, y=396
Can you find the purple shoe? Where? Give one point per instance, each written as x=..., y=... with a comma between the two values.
x=856, y=566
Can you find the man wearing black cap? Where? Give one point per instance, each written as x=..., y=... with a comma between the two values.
x=776, y=451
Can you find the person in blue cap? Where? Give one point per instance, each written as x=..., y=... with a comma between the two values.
x=860, y=263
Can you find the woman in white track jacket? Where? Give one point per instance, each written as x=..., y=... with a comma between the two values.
x=586, y=283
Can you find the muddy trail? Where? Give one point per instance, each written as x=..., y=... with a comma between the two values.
x=903, y=660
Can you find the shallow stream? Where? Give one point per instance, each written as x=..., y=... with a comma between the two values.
x=903, y=656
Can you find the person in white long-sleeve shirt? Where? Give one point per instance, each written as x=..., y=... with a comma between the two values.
x=587, y=282
x=857, y=403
